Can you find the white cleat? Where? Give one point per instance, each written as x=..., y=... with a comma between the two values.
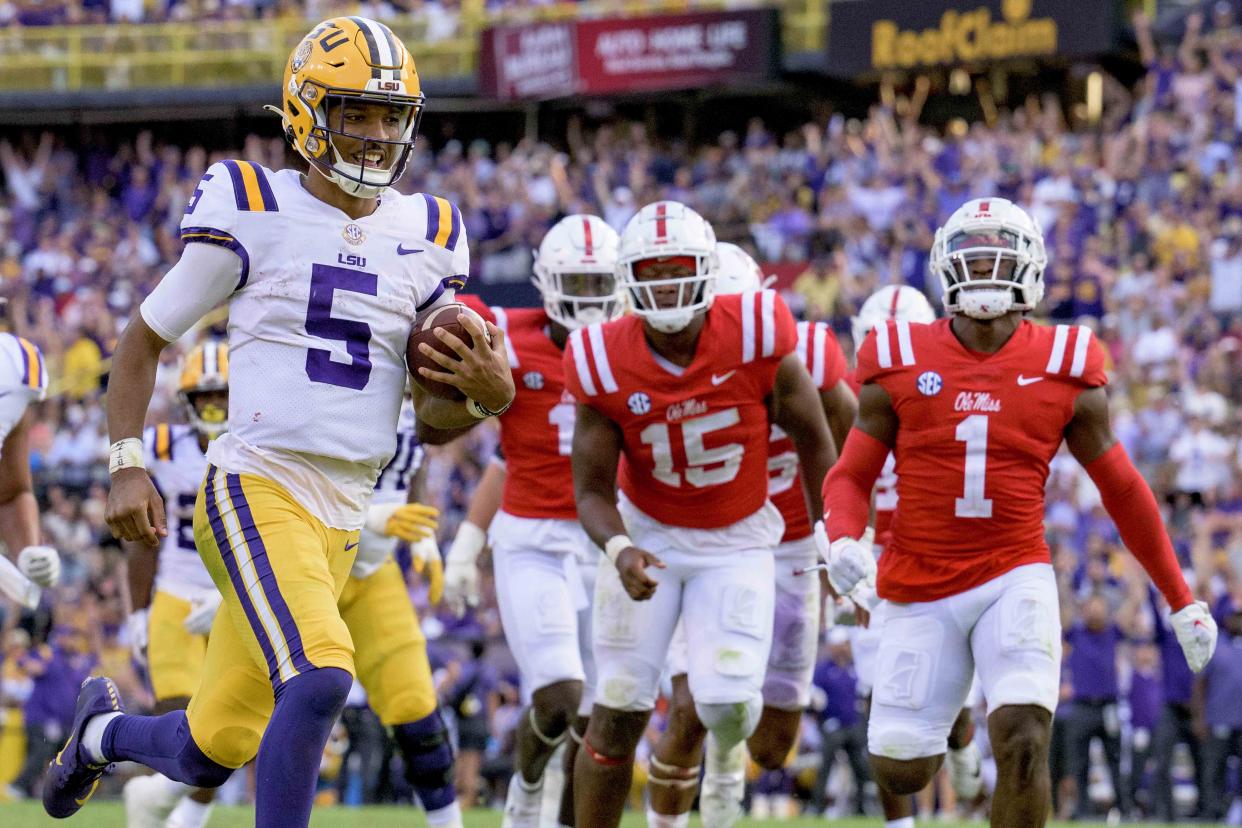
x=148, y=801
x=523, y=805
x=724, y=785
x=965, y=772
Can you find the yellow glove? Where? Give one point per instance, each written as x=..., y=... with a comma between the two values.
x=410, y=522
x=425, y=557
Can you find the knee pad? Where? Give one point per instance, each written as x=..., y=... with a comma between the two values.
x=428, y=755
x=320, y=692
x=731, y=723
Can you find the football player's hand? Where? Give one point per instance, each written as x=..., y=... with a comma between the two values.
x=632, y=565
x=461, y=575
x=135, y=510
x=850, y=562
x=410, y=522
x=425, y=556
x=40, y=564
x=203, y=607
x=482, y=372
x=137, y=626
x=1196, y=632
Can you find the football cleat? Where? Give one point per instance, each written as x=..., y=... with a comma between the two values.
x=523, y=806
x=965, y=772
x=71, y=777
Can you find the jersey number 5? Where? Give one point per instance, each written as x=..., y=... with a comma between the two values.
x=973, y=431
x=325, y=281
x=726, y=459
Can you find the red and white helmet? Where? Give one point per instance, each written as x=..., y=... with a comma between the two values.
x=668, y=231
x=576, y=272
x=900, y=302
x=990, y=229
x=736, y=271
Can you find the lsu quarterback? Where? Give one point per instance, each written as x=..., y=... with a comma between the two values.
x=323, y=272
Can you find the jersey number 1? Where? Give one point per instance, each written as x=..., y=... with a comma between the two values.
x=325, y=281
x=973, y=431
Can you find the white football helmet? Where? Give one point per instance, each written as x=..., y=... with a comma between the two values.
x=736, y=271
x=996, y=230
x=576, y=272
x=890, y=302
x=668, y=231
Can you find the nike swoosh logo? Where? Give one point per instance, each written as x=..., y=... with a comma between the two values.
x=1028, y=380
x=405, y=251
x=350, y=546
x=718, y=379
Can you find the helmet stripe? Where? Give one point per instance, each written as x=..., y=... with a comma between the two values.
x=892, y=307
x=394, y=49
x=373, y=55
x=661, y=223
x=588, y=248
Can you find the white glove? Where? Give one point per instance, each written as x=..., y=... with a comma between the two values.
x=1196, y=632
x=203, y=608
x=40, y=564
x=138, y=626
x=850, y=562
x=461, y=574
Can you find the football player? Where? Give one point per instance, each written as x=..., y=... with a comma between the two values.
x=323, y=279
x=786, y=687
x=23, y=380
x=974, y=407
x=173, y=599
x=902, y=302
x=674, y=406
x=544, y=562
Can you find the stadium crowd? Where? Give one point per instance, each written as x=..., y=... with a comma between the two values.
x=1142, y=212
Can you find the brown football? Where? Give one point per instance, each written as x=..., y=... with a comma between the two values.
x=425, y=324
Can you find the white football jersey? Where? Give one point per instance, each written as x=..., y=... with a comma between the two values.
x=393, y=486
x=23, y=379
x=177, y=465
x=318, y=324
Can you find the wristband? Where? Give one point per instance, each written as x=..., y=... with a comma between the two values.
x=614, y=546
x=482, y=412
x=125, y=453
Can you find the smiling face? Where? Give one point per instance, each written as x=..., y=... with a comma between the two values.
x=366, y=133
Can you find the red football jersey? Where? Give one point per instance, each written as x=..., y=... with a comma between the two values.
x=537, y=432
x=976, y=434
x=821, y=354
x=695, y=450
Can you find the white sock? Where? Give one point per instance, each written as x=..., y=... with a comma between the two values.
x=447, y=817
x=655, y=820
x=721, y=760
x=902, y=822
x=189, y=814
x=92, y=737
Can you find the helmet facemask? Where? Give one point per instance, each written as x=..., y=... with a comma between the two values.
x=207, y=409
x=577, y=299
x=987, y=273
x=328, y=108
x=670, y=303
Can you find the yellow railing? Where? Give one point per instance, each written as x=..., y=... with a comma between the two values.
x=235, y=53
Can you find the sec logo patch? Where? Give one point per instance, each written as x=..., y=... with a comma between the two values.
x=532, y=380
x=639, y=403
x=929, y=383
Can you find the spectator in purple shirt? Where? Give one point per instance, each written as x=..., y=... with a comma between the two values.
x=1146, y=698
x=839, y=720
x=1176, y=724
x=58, y=670
x=1219, y=714
x=1092, y=644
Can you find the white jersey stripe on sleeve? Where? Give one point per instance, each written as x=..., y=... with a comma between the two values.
x=883, y=351
x=821, y=337
x=903, y=342
x=580, y=362
x=803, y=341
x=748, y=327
x=1058, y=350
x=1080, y=351
x=600, y=352
x=768, y=309
x=502, y=322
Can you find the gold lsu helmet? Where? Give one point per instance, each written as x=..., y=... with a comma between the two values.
x=341, y=60
x=205, y=368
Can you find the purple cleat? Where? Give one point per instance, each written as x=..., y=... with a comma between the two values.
x=71, y=777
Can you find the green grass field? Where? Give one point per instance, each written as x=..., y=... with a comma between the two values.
x=109, y=814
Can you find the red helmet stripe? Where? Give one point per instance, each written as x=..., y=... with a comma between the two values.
x=892, y=308
x=588, y=246
x=661, y=224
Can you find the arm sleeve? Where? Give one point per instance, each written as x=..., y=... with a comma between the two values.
x=847, y=488
x=204, y=277
x=1133, y=508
